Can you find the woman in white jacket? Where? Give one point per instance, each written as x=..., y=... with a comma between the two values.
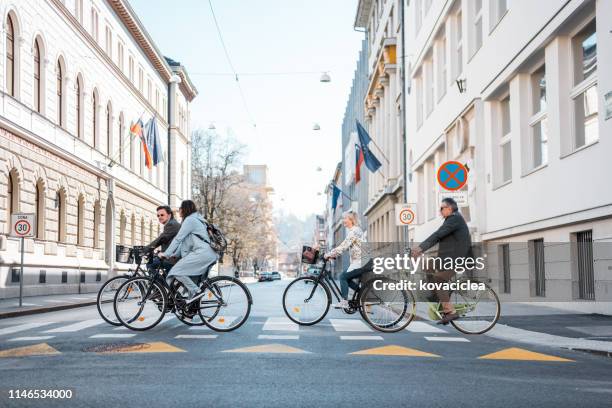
x=353, y=242
x=191, y=244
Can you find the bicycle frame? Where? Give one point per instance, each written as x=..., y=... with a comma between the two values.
x=331, y=284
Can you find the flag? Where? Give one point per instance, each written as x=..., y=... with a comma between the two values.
x=370, y=160
x=154, y=141
x=136, y=131
x=335, y=194
x=358, y=162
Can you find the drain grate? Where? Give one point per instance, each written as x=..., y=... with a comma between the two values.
x=110, y=347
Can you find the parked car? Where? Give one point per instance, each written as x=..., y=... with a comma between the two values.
x=265, y=276
x=276, y=275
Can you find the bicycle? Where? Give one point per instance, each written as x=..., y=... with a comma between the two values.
x=306, y=301
x=223, y=303
x=106, y=294
x=478, y=310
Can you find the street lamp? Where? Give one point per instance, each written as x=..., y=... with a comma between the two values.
x=325, y=77
x=211, y=126
x=316, y=127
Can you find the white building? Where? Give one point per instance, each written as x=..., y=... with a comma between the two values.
x=381, y=19
x=531, y=125
x=73, y=75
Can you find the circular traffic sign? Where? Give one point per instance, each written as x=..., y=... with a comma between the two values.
x=452, y=175
x=406, y=216
x=22, y=228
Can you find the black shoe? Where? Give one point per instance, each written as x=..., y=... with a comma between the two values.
x=448, y=317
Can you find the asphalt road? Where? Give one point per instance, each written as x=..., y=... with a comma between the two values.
x=304, y=367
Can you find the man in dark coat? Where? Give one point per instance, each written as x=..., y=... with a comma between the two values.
x=454, y=242
x=171, y=227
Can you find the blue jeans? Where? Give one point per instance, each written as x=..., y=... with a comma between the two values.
x=347, y=279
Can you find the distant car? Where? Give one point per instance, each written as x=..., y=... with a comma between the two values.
x=265, y=276
x=275, y=276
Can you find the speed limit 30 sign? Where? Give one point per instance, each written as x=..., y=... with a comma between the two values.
x=23, y=225
x=404, y=214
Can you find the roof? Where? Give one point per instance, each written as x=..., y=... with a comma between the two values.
x=363, y=13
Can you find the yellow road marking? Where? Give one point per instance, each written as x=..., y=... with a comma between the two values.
x=515, y=353
x=154, y=347
x=41, y=349
x=267, y=348
x=394, y=351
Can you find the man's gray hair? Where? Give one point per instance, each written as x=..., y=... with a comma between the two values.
x=451, y=203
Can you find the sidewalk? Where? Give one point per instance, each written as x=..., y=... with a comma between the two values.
x=48, y=303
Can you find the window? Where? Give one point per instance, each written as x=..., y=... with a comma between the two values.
x=458, y=45
x=109, y=42
x=40, y=209
x=80, y=220
x=37, y=78
x=497, y=11
x=142, y=231
x=78, y=10
x=538, y=121
x=94, y=117
x=431, y=189
x=429, y=87
x=140, y=80
x=13, y=195
x=584, y=93
x=441, y=65
x=419, y=100
x=94, y=24
x=539, y=277
x=132, y=155
x=109, y=128
x=60, y=204
x=505, y=143
x=96, y=224
x=59, y=87
x=149, y=91
x=157, y=100
x=133, y=230
x=10, y=56
x=78, y=87
x=121, y=130
x=131, y=69
x=418, y=15
x=476, y=25
x=122, y=222
x=120, y=56
x=505, y=266
x=586, y=275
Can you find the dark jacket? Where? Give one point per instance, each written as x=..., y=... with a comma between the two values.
x=453, y=237
x=171, y=228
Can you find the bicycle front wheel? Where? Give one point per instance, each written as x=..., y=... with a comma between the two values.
x=106, y=296
x=225, y=304
x=478, y=309
x=306, y=301
x=140, y=303
x=386, y=308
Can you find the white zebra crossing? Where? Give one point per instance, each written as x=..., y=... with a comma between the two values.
x=280, y=324
x=22, y=327
x=349, y=325
x=422, y=327
x=71, y=328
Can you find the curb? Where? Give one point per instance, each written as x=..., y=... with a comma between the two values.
x=37, y=310
x=591, y=351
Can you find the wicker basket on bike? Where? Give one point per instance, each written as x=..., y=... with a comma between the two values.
x=310, y=255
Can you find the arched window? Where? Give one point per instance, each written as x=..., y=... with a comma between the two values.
x=133, y=230
x=38, y=89
x=10, y=56
x=150, y=231
x=142, y=231
x=78, y=87
x=120, y=147
x=60, y=204
x=96, y=224
x=94, y=117
x=40, y=209
x=109, y=128
x=13, y=195
x=81, y=220
x=59, y=88
x=122, y=222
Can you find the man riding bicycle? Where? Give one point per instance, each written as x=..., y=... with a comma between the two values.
x=165, y=216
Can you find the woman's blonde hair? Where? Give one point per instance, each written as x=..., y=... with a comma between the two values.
x=351, y=215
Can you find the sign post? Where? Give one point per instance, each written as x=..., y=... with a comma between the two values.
x=22, y=226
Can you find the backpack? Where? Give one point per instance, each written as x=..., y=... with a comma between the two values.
x=217, y=241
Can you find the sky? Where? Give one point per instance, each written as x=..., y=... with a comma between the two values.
x=295, y=40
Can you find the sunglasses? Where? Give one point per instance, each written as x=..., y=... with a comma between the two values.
x=442, y=208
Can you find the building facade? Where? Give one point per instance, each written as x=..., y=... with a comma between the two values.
x=383, y=119
x=74, y=75
x=526, y=109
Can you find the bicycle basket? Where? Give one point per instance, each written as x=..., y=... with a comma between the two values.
x=123, y=254
x=309, y=255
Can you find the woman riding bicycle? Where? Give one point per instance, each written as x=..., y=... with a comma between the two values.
x=192, y=245
x=353, y=242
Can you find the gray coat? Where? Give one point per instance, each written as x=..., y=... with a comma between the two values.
x=170, y=230
x=190, y=244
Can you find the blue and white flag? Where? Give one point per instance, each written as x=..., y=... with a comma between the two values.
x=154, y=141
x=370, y=160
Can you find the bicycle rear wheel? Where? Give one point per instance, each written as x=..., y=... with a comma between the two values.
x=188, y=315
x=478, y=309
x=106, y=296
x=384, y=309
x=225, y=304
x=306, y=301
x=140, y=303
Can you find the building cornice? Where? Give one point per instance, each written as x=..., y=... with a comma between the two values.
x=362, y=16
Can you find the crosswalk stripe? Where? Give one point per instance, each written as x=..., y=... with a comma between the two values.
x=422, y=327
x=76, y=326
x=199, y=328
x=22, y=327
x=361, y=338
x=196, y=336
x=32, y=338
x=277, y=337
x=112, y=335
x=280, y=324
x=349, y=325
x=457, y=339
